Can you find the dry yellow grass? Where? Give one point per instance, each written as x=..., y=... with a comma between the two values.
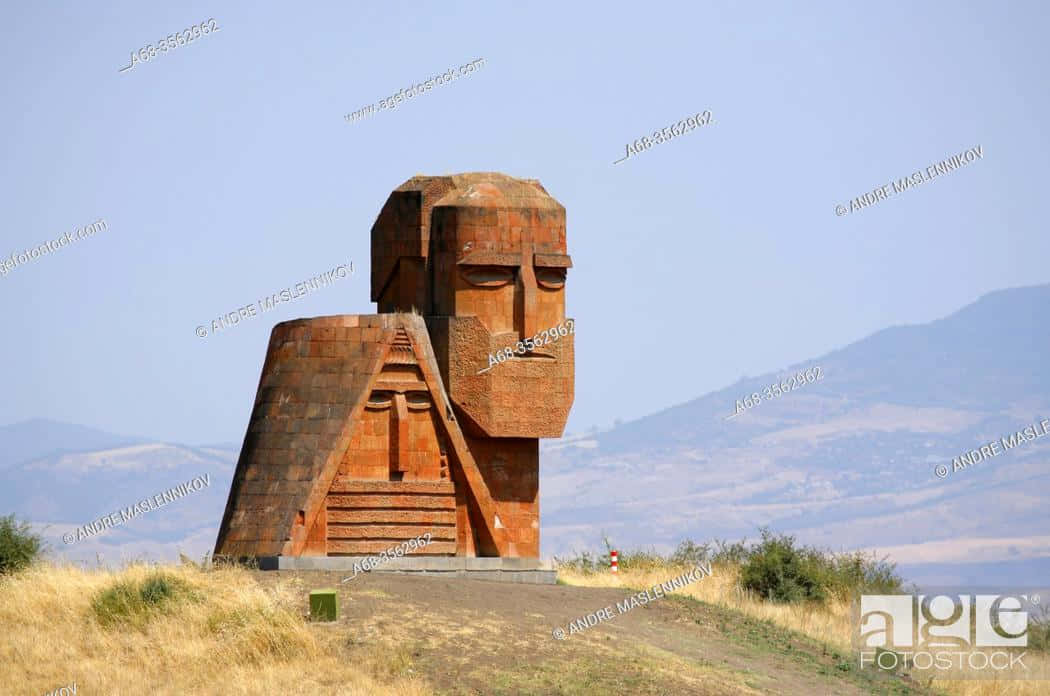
x=829, y=623
x=238, y=639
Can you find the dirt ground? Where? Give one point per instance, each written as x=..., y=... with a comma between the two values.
x=482, y=637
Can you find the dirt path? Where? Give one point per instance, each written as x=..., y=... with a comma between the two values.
x=479, y=637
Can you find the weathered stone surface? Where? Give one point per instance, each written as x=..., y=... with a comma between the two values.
x=398, y=532
x=371, y=429
x=392, y=516
x=365, y=548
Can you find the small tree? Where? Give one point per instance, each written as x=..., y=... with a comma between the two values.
x=19, y=545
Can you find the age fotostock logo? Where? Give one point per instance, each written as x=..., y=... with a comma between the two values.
x=969, y=635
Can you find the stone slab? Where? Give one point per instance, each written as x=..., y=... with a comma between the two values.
x=517, y=570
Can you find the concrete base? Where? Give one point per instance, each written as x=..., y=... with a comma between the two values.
x=522, y=570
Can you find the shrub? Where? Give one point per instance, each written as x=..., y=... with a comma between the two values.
x=690, y=554
x=860, y=573
x=19, y=546
x=134, y=603
x=735, y=553
x=779, y=572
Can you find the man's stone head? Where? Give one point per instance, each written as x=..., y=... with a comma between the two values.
x=483, y=257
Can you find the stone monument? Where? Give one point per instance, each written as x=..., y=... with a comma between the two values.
x=370, y=430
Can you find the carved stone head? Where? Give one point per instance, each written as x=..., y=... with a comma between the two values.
x=483, y=257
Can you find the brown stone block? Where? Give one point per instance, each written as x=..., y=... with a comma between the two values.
x=392, y=516
x=349, y=485
x=418, y=502
x=376, y=531
x=303, y=441
x=366, y=548
x=298, y=472
x=249, y=489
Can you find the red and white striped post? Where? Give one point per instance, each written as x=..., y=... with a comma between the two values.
x=614, y=557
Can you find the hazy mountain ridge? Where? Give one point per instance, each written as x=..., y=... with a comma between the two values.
x=40, y=437
x=62, y=492
x=984, y=357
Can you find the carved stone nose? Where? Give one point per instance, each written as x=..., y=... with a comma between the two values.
x=399, y=435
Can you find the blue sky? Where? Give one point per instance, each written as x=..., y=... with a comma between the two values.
x=226, y=172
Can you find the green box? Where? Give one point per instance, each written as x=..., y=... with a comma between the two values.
x=323, y=605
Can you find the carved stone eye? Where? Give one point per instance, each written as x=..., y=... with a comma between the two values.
x=551, y=278
x=379, y=400
x=418, y=400
x=488, y=276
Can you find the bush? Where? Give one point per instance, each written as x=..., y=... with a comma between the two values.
x=19, y=546
x=131, y=603
x=690, y=554
x=735, y=553
x=781, y=572
x=862, y=574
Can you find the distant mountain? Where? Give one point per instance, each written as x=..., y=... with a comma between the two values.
x=40, y=437
x=844, y=462
x=988, y=356
x=61, y=492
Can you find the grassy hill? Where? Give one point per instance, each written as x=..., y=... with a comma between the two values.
x=238, y=631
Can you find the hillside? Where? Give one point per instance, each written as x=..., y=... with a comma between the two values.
x=234, y=631
x=39, y=437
